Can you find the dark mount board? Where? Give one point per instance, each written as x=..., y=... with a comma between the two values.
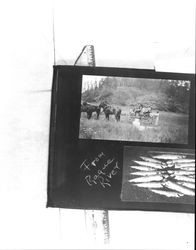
x=89, y=173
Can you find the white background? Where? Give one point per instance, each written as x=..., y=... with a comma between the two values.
x=134, y=33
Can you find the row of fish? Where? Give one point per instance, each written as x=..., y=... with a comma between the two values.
x=183, y=163
x=171, y=175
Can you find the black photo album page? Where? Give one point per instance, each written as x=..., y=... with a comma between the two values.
x=122, y=139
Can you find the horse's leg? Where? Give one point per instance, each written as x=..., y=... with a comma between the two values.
x=89, y=114
x=98, y=112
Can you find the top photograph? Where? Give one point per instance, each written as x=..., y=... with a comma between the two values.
x=134, y=109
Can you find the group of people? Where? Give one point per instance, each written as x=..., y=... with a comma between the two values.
x=140, y=110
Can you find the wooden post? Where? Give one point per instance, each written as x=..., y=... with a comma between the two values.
x=97, y=221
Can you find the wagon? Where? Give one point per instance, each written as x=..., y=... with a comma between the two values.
x=146, y=119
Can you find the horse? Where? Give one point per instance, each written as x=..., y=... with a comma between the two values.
x=89, y=109
x=109, y=110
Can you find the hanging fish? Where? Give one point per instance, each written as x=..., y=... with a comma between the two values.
x=180, y=161
x=180, y=172
x=185, y=165
x=144, y=173
x=179, y=188
x=142, y=168
x=184, y=178
x=186, y=169
x=151, y=160
x=167, y=193
x=149, y=185
x=147, y=178
x=187, y=184
x=149, y=164
x=169, y=156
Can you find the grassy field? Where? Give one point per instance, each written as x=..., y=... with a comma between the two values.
x=172, y=128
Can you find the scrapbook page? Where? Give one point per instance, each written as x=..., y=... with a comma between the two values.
x=122, y=139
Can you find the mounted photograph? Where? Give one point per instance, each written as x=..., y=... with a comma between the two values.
x=122, y=139
x=134, y=109
x=158, y=175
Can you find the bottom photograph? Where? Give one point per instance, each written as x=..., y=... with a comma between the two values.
x=164, y=175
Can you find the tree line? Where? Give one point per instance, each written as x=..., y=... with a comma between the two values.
x=161, y=94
